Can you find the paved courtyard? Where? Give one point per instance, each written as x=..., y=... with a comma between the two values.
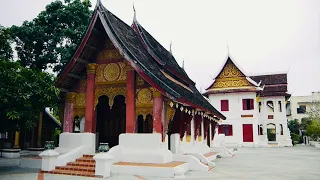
x=296, y=163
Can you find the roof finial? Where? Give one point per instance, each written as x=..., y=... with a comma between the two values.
x=183, y=64
x=134, y=15
x=98, y=3
x=170, y=47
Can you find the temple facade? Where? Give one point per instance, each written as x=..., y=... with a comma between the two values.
x=122, y=87
x=255, y=107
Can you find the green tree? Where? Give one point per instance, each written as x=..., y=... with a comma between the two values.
x=24, y=93
x=313, y=130
x=49, y=40
x=305, y=122
x=294, y=126
x=5, y=43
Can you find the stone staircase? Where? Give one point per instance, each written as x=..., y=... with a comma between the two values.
x=84, y=166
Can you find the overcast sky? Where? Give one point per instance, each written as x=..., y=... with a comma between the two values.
x=264, y=36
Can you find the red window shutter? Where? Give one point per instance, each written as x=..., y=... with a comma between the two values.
x=230, y=130
x=224, y=105
x=220, y=129
x=251, y=104
x=244, y=104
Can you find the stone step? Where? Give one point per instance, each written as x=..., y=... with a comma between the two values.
x=72, y=173
x=88, y=155
x=76, y=168
x=83, y=164
x=85, y=159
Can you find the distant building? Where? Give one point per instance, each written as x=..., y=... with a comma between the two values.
x=253, y=105
x=299, y=106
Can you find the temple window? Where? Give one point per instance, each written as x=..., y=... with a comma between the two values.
x=260, y=129
x=279, y=105
x=247, y=104
x=281, y=129
x=260, y=106
x=225, y=129
x=270, y=106
x=301, y=109
x=224, y=105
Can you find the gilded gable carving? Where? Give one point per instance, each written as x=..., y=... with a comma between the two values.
x=229, y=71
x=230, y=77
x=112, y=73
x=144, y=97
x=231, y=83
x=108, y=54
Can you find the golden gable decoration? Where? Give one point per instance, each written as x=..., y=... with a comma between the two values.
x=139, y=80
x=144, y=97
x=112, y=73
x=108, y=54
x=228, y=83
x=230, y=77
x=230, y=70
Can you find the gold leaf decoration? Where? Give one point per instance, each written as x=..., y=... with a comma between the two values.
x=230, y=77
x=230, y=70
x=111, y=92
x=139, y=80
x=144, y=96
x=80, y=112
x=108, y=54
x=144, y=111
x=80, y=100
x=111, y=72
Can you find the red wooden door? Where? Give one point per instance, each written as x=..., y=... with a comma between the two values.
x=247, y=131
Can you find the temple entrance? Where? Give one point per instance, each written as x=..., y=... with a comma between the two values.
x=145, y=125
x=271, y=132
x=247, y=132
x=110, y=122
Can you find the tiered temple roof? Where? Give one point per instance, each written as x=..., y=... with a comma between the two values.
x=274, y=84
x=146, y=55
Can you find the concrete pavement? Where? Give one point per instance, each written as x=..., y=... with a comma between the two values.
x=291, y=163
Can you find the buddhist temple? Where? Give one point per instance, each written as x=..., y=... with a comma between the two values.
x=122, y=87
x=254, y=107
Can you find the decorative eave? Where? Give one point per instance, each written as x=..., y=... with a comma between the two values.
x=238, y=90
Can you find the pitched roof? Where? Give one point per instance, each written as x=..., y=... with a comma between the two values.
x=274, y=84
x=128, y=42
x=160, y=54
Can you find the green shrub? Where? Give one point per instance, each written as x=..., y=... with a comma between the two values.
x=295, y=138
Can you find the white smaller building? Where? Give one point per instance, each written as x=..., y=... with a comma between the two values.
x=255, y=107
x=299, y=106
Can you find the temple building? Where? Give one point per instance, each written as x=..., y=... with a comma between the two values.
x=122, y=87
x=255, y=107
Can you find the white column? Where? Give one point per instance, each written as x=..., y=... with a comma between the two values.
x=202, y=131
x=192, y=130
x=265, y=132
